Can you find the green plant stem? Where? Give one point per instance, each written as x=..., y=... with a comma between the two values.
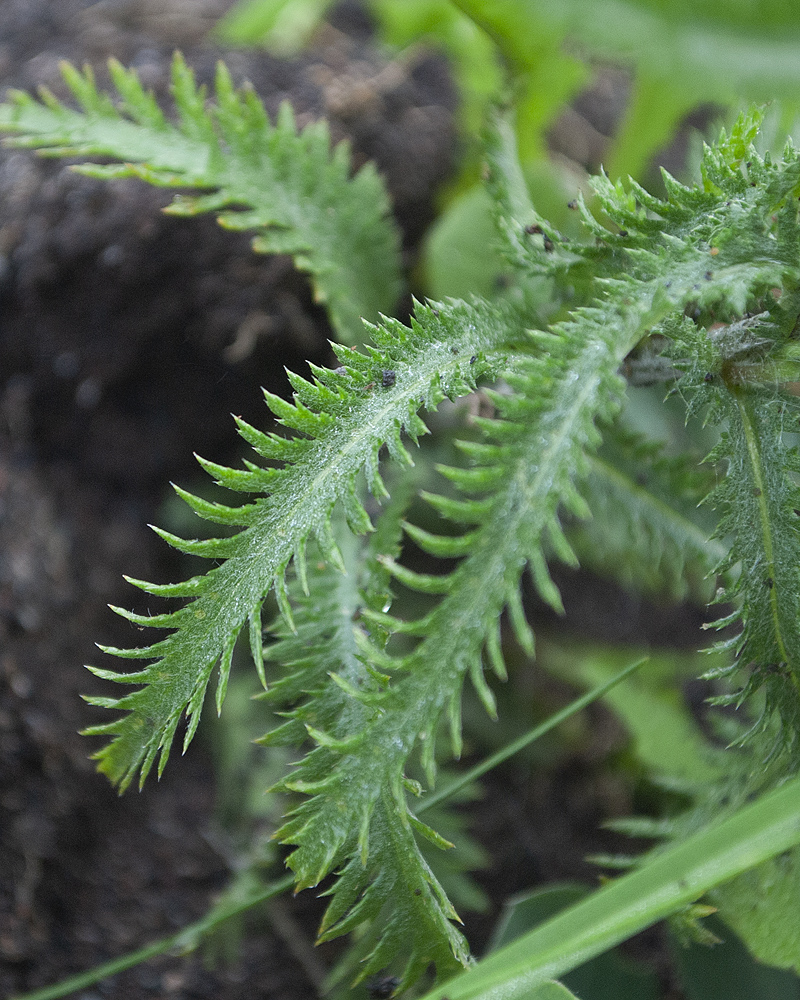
x=182, y=939
x=622, y=908
x=519, y=744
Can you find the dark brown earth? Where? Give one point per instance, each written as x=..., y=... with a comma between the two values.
x=126, y=340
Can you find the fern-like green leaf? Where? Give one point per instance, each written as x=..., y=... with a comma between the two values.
x=289, y=188
x=759, y=498
x=330, y=694
x=740, y=361
x=645, y=531
x=338, y=424
x=714, y=269
x=356, y=814
x=526, y=468
x=740, y=364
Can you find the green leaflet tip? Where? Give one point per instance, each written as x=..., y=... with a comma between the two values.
x=100, y=702
x=147, y=621
x=282, y=597
x=104, y=729
x=137, y=677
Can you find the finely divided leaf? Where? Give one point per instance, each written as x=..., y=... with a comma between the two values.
x=338, y=423
x=645, y=530
x=297, y=195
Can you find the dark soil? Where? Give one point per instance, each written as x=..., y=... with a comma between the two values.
x=126, y=340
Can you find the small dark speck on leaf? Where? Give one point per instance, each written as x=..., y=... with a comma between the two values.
x=572, y=204
x=708, y=377
x=382, y=986
x=548, y=244
x=388, y=378
x=533, y=229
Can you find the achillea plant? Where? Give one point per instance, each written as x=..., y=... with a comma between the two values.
x=704, y=282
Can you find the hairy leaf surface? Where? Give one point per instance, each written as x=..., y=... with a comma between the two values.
x=645, y=531
x=339, y=423
x=297, y=195
x=714, y=269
